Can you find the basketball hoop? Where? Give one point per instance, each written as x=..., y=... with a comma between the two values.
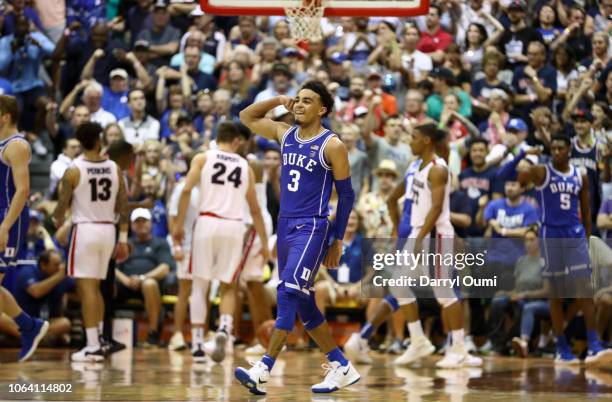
x=305, y=20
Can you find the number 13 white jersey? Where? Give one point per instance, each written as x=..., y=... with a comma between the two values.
x=95, y=197
x=223, y=184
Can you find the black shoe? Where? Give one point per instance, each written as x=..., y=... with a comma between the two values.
x=198, y=355
x=110, y=347
x=152, y=339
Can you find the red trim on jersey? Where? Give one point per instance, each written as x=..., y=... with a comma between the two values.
x=213, y=215
x=72, y=247
x=189, y=268
x=245, y=253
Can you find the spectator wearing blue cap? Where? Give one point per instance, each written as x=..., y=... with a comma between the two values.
x=513, y=141
x=337, y=72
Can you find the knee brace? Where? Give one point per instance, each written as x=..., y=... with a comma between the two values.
x=392, y=302
x=402, y=301
x=309, y=313
x=287, y=303
x=198, y=308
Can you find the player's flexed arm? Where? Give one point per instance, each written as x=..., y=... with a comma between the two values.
x=192, y=179
x=68, y=183
x=17, y=155
x=258, y=222
x=337, y=155
x=254, y=117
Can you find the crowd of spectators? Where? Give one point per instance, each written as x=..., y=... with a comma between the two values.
x=499, y=76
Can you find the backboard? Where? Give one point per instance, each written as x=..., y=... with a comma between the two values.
x=334, y=8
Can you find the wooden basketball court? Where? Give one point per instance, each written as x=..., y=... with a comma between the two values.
x=160, y=375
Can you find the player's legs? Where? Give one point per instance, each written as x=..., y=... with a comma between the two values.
x=152, y=300
x=91, y=248
x=227, y=244
x=32, y=330
x=252, y=275
x=198, y=311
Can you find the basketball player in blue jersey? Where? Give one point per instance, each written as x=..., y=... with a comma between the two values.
x=313, y=158
x=14, y=218
x=563, y=189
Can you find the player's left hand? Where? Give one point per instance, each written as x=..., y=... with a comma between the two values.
x=334, y=252
x=122, y=252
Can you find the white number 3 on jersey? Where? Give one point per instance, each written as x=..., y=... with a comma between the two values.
x=295, y=180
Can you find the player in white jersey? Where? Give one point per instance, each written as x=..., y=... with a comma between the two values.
x=431, y=189
x=225, y=180
x=94, y=190
x=181, y=253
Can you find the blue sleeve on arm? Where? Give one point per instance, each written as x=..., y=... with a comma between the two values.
x=346, y=199
x=508, y=170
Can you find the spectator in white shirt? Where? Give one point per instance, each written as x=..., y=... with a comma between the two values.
x=72, y=149
x=92, y=98
x=139, y=126
x=415, y=65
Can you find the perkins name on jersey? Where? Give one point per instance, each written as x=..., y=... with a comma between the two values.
x=98, y=170
x=298, y=160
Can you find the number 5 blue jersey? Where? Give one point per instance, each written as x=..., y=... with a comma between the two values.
x=306, y=178
x=559, y=197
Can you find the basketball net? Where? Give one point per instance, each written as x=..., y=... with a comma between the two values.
x=305, y=20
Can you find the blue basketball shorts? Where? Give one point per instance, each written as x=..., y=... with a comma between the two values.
x=16, y=248
x=302, y=244
x=566, y=251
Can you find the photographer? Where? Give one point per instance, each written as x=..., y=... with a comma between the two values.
x=21, y=56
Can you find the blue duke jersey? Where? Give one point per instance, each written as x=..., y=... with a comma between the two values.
x=303, y=227
x=16, y=247
x=559, y=197
x=565, y=246
x=306, y=178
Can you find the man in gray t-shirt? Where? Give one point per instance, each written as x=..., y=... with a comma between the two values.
x=162, y=37
x=388, y=147
x=140, y=276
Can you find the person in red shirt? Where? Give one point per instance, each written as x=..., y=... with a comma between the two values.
x=434, y=40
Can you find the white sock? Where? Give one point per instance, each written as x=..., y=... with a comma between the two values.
x=93, y=337
x=416, y=330
x=226, y=324
x=458, y=337
x=197, y=337
x=543, y=341
x=101, y=327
